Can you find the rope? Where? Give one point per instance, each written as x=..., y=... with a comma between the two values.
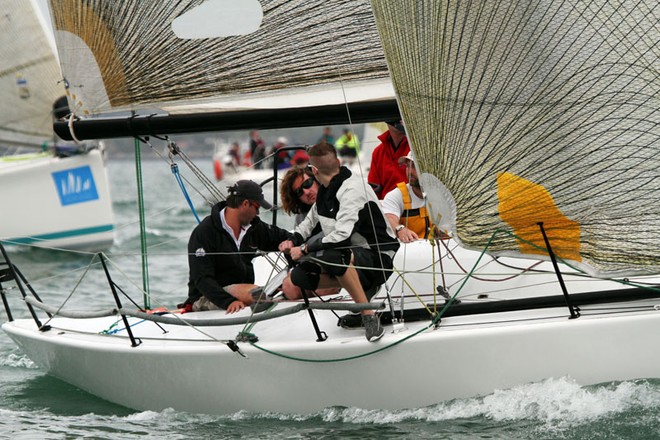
x=434, y=323
x=273, y=314
x=71, y=129
x=175, y=171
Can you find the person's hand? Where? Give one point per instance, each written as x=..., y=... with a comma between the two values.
x=287, y=244
x=406, y=235
x=295, y=253
x=235, y=306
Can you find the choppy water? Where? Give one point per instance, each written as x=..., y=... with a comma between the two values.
x=33, y=405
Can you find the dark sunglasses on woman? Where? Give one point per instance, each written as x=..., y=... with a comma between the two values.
x=307, y=184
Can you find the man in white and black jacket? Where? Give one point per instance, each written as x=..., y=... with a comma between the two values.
x=358, y=244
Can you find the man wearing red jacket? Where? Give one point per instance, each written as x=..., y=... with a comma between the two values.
x=385, y=171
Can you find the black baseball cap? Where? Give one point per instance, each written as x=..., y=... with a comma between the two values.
x=250, y=190
x=398, y=124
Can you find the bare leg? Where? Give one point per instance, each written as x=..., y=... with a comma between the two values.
x=327, y=286
x=290, y=290
x=328, y=282
x=328, y=291
x=351, y=282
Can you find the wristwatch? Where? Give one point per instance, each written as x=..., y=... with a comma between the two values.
x=303, y=248
x=398, y=229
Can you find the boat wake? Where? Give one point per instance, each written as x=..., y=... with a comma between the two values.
x=553, y=404
x=16, y=360
x=554, y=408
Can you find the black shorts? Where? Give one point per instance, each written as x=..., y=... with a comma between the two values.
x=373, y=268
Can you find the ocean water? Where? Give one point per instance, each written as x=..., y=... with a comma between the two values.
x=36, y=406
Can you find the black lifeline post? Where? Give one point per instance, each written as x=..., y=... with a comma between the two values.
x=574, y=313
x=320, y=335
x=9, y=273
x=114, y=293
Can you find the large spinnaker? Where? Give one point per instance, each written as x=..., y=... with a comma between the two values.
x=531, y=112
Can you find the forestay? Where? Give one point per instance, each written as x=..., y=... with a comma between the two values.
x=535, y=111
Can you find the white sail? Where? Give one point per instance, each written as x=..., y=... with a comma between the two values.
x=538, y=111
x=518, y=112
x=30, y=78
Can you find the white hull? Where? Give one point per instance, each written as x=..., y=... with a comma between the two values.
x=437, y=365
x=417, y=366
x=57, y=202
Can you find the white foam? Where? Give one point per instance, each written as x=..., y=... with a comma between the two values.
x=16, y=361
x=168, y=416
x=148, y=416
x=553, y=403
x=564, y=402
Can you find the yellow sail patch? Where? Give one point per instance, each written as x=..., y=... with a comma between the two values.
x=523, y=204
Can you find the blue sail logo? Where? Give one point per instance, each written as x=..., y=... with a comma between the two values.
x=75, y=185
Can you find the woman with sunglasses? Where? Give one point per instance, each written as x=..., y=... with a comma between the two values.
x=298, y=193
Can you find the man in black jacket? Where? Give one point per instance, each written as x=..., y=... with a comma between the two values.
x=221, y=249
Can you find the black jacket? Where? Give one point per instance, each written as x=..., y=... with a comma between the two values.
x=215, y=261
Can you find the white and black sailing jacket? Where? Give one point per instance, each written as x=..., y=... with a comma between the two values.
x=350, y=216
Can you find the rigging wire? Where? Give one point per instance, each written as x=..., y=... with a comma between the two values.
x=177, y=175
x=334, y=48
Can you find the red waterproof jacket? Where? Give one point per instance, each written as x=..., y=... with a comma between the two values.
x=385, y=171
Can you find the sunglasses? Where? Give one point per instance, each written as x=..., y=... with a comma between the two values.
x=307, y=184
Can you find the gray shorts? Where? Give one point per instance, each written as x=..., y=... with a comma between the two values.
x=204, y=304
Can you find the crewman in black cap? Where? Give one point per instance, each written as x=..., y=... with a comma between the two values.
x=221, y=249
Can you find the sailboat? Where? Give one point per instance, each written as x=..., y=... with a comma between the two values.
x=52, y=193
x=536, y=130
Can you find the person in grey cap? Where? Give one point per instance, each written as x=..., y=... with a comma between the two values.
x=221, y=249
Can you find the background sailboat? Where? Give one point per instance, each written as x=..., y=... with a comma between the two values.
x=51, y=195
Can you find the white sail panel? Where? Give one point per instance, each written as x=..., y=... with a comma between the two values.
x=30, y=78
x=219, y=18
x=537, y=111
x=132, y=49
x=327, y=94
